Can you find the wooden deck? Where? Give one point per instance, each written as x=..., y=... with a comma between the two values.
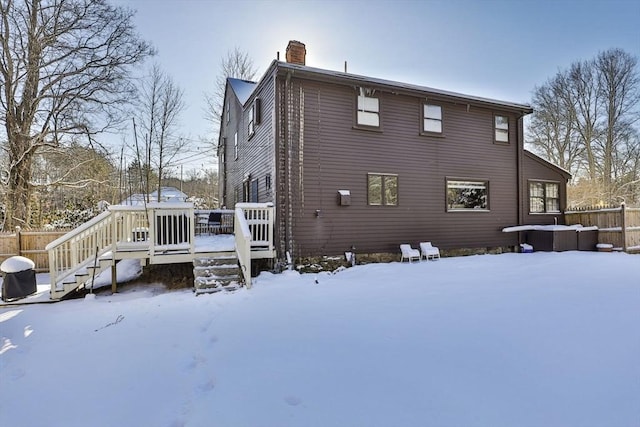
x=159, y=233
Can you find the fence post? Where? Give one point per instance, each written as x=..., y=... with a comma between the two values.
x=623, y=221
x=18, y=241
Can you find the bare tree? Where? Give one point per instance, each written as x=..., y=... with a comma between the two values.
x=581, y=83
x=588, y=116
x=65, y=67
x=161, y=104
x=553, y=125
x=619, y=86
x=235, y=64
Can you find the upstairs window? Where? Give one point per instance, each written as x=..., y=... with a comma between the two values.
x=235, y=146
x=544, y=197
x=252, y=119
x=432, y=118
x=228, y=113
x=382, y=189
x=465, y=195
x=368, y=113
x=501, y=126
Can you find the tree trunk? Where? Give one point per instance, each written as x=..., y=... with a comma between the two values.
x=18, y=197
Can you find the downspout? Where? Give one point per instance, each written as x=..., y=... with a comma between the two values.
x=222, y=181
x=519, y=172
x=287, y=160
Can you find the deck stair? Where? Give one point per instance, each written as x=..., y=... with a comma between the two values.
x=217, y=273
x=83, y=278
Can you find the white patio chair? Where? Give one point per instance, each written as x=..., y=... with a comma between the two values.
x=409, y=253
x=429, y=251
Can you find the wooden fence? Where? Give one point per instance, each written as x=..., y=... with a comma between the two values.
x=29, y=244
x=619, y=226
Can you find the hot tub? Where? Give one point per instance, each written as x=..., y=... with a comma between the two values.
x=559, y=238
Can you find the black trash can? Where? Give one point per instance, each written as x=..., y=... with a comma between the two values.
x=19, y=278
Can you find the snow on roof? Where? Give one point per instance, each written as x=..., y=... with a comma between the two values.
x=167, y=194
x=575, y=227
x=242, y=88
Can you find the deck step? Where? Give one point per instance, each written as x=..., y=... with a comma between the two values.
x=216, y=273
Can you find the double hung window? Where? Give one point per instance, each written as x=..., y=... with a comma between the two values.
x=432, y=118
x=368, y=109
x=544, y=197
x=501, y=127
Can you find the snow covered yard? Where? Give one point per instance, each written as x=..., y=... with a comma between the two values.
x=542, y=339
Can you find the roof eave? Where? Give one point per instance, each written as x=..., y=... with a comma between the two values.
x=311, y=73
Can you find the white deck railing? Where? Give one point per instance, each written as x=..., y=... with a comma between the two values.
x=161, y=232
x=253, y=228
x=78, y=249
x=243, y=244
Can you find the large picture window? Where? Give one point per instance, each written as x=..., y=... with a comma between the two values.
x=382, y=189
x=368, y=113
x=544, y=197
x=467, y=195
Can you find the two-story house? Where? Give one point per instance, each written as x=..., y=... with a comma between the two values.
x=354, y=161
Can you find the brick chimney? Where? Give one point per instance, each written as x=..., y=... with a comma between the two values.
x=296, y=52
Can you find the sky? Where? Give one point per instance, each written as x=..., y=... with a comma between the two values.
x=498, y=49
x=528, y=340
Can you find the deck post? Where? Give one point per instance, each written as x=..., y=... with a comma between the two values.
x=114, y=279
x=623, y=221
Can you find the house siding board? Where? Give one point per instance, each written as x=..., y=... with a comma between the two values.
x=307, y=141
x=535, y=170
x=337, y=156
x=255, y=154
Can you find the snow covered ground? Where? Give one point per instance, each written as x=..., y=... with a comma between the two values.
x=542, y=339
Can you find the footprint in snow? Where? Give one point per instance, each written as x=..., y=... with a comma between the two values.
x=196, y=361
x=208, y=386
x=292, y=400
x=17, y=374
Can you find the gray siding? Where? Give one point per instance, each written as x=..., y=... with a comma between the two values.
x=536, y=169
x=256, y=154
x=331, y=155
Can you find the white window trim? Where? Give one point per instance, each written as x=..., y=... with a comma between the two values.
x=252, y=118
x=501, y=129
x=432, y=119
x=367, y=105
x=235, y=146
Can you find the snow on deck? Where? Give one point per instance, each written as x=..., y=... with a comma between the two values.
x=127, y=269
